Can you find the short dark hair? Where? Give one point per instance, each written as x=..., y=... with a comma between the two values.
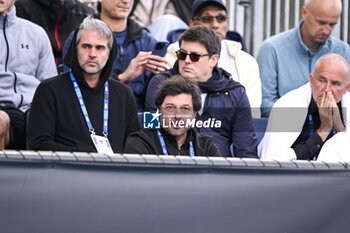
x=177, y=85
x=204, y=35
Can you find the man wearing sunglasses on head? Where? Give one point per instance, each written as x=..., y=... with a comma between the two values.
x=222, y=98
x=243, y=67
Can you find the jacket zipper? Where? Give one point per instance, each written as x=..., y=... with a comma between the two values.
x=15, y=90
x=7, y=58
x=56, y=34
x=7, y=44
x=310, y=62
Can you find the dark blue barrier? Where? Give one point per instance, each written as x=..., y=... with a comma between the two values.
x=79, y=192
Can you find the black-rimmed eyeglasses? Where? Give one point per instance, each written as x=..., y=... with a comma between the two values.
x=181, y=55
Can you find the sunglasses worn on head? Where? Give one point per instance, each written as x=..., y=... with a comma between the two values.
x=181, y=55
x=209, y=19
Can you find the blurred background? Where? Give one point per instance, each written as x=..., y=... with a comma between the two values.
x=257, y=20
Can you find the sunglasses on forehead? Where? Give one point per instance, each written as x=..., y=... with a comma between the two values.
x=181, y=55
x=209, y=19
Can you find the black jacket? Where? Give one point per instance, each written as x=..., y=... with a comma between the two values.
x=147, y=142
x=56, y=121
x=58, y=18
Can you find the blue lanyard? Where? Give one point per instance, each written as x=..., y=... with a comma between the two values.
x=312, y=129
x=165, y=151
x=84, y=110
x=311, y=124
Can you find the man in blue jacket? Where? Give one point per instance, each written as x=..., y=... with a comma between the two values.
x=134, y=64
x=224, y=100
x=287, y=59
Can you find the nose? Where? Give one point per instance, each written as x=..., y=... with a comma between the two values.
x=326, y=29
x=188, y=59
x=92, y=52
x=126, y=1
x=214, y=23
x=327, y=87
x=177, y=114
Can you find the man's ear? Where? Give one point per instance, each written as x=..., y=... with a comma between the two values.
x=304, y=11
x=191, y=23
x=348, y=86
x=310, y=79
x=214, y=60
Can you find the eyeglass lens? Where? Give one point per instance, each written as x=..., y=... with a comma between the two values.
x=181, y=55
x=209, y=19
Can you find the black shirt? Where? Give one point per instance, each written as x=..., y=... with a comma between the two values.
x=147, y=142
x=306, y=146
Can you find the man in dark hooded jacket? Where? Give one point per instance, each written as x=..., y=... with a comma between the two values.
x=58, y=17
x=84, y=110
x=135, y=64
x=226, y=106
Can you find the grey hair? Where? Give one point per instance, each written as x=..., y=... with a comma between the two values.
x=335, y=58
x=90, y=23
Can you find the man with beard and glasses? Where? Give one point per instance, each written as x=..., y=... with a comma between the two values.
x=178, y=100
x=84, y=110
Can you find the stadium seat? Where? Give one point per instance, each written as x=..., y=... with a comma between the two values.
x=260, y=127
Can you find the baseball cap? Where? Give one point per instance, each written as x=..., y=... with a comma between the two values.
x=198, y=4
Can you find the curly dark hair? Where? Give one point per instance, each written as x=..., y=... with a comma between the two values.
x=177, y=85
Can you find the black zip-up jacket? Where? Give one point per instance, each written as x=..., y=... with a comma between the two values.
x=147, y=142
x=58, y=17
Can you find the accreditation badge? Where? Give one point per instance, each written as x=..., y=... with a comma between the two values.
x=102, y=144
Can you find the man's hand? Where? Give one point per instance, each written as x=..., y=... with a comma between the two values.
x=326, y=115
x=337, y=122
x=136, y=67
x=156, y=64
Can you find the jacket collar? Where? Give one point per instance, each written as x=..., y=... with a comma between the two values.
x=172, y=139
x=134, y=31
x=232, y=47
x=10, y=18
